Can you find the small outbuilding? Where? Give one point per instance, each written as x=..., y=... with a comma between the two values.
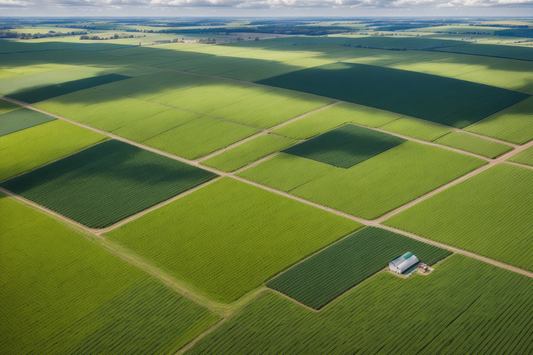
x=403, y=263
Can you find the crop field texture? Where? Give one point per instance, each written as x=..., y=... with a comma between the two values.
x=62, y=294
x=465, y=306
x=7, y=107
x=488, y=214
x=417, y=128
x=248, y=152
x=474, y=144
x=512, y=124
x=345, y=146
x=524, y=157
x=368, y=189
x=35, y=146
x=229, y=237
x=20, y=119
x=492, y=50
x=47, y=92
x=106, y=183
x=333, y=271
x=429, y=97
x=332, y=117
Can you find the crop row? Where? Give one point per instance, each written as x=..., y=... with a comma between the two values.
x=62, y=294
x=465, y=306
x=328, y=274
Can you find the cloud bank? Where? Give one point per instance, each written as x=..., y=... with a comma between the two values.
x=265, y=4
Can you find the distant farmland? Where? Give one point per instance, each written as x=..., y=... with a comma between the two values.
x=183, y=188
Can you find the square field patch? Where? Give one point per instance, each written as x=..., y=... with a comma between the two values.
x=345, y=146
x=106, y=183
x=229, y=237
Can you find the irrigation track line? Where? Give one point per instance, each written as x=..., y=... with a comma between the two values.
x=376, y=222
x=192, y=342
x=340, y=101
x=265, y=131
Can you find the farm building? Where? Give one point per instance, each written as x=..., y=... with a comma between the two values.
x=403, y=263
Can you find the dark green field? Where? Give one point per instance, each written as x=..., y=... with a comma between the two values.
x=48, y=92
x=20, y=119
x=345, y=146
x=434, y=98
x=328, y=274
x=106, y=183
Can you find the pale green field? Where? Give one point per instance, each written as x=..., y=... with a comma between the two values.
x=30, y=148
x=474, y=144
x=417, y=128
x=371, y=188
x=524, y=157
x=247, y=153
x=230, y=237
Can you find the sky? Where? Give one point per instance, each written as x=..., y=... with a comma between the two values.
x=266, y=8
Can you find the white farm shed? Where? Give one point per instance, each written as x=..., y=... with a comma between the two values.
x=403, y=263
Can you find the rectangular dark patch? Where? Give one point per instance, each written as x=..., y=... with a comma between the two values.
x=345, y=146
x=20, y=119
x=447, y=101
x=47, y=92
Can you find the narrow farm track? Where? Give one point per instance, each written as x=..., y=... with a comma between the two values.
x=191, y=344
x=377, y=222
x=265, y=131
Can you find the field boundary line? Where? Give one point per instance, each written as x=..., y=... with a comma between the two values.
x=193, y=342
x=514, y=145
x=257, y=162
x=266, y=131
x=460, y=251
x=375, y=222
x=518, y=164
x=98, y=232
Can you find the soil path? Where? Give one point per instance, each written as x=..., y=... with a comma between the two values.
x=376, y=222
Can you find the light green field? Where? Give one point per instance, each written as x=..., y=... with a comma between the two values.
x=30, y=148
x=332, y=117
x=488, y=214
x=512, y=124
x=474, y=144
x=199, y=137
x=248, y=152
x=417, y=128
x=524, y=157
x=63, y=294
x=102, y=110
x=230, y=237
x=373, y=187
x=464, y=307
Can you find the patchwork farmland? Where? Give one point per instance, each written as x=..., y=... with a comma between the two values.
x=167, y=193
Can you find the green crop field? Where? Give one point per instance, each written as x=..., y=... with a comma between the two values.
x=368, y=189
x=47, y=92
x=230, y=237
x=248, y=152
x=512, y=124
x=417, y=128
x=20, y=119
x=35, y=146
x=474, y=144
x=243, y=197
x=62, y=294
x=524, y=157
x=345, y=146
x=464, y=307
x=492, y=50
x=199, y=137
x=488, y=214
x=106, y=183
x=332, y=117
x=439, y=100
x=333, y=271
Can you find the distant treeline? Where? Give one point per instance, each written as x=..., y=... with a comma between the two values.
x=14, y=34
x=285, y=30
x=501, y=25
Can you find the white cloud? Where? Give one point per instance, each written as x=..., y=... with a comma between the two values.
x=268, y=4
